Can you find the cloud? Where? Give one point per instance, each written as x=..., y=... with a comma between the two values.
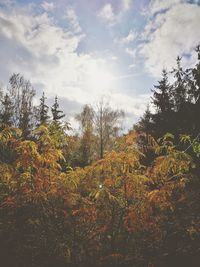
x=131, y=52
x=126, y=42
x=73, y=20
x=39, y=49
x=107, y=14
x=47, y=6
x=111, y=15
x=49, y=55
x=169, y=34
x=157, y=6
x=126, y=4
x=6, y=2
x=45, y=53
x=129, y=38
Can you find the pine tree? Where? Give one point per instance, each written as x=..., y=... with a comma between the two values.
x=43, y=116
x=57, y=114
x=145, y=123
x=6, y=114
x=196, y=92
x=179, y=86
x=162, y=94
x=162, y=100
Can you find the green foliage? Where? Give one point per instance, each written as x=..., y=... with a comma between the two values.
x=56, y=113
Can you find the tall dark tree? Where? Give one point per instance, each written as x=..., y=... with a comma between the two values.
x=56, y=113
x=162, y=94
x=195, y=89
x=6, y=114
x=145, y=123
x=43, y=116
x=163, y=102
x=184, y=109
x=196, y=78
x=179, y=86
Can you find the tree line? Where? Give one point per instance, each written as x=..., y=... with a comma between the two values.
x=176, y=103
x=99, y=125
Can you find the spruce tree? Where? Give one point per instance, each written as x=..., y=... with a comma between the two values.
x=162, y=100
x=43, y=116
x=6, y=114
x=56, y=113
x=196, y=92
x=179, y=86
x=145, y=123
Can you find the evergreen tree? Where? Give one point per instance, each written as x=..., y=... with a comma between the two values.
x=6, y=114
x=163, y=102
x=196, y=78
x=43, y=116
x=196, y=92
x=179, y=86
x=145, y=123
x=162, y=95
x=57, y=114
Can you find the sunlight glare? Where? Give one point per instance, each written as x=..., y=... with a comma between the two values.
x=100, y=78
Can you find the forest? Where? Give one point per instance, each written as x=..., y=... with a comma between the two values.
x=101, y=197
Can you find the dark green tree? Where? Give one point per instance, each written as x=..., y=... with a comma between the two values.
x=6, y=114
x=195, y=89
x=162, y=94
x=179, y=86
x=56, y=113
x=163, y=102
x=145, y=123
x=43, y=116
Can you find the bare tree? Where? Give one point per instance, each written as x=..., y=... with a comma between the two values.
x=22, y=93
x=100, y=121
x=107, y=125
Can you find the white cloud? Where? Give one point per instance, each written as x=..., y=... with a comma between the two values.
x=40, y=50
x=112, y=16
x=160, y=5
x=129, y=38
x=44, y=52
x=126, y=42
x=73, y=20
x=107, y=14
x=47, y=6
x=131, y=52
x=126, y=4
x=169, y=34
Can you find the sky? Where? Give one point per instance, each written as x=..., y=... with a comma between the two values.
x=83, y=50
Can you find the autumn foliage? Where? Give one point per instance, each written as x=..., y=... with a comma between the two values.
x=118, y=211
